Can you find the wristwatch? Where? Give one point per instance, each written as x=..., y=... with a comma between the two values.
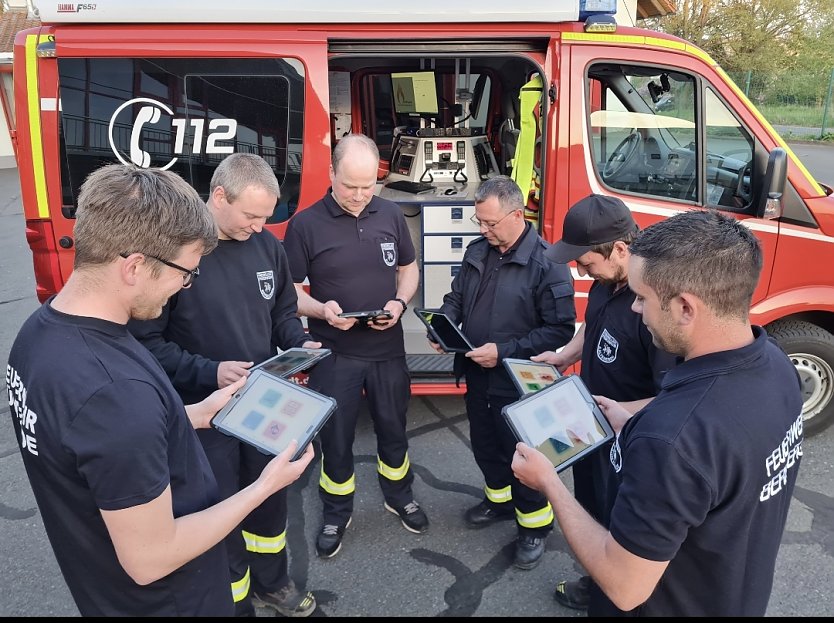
x=403, y=303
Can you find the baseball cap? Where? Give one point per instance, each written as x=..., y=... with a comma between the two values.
x=594, y=220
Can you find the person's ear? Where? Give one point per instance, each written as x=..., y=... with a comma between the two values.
x=686, y=306
x=620, y=250
x=218, y=195
x=130, y=267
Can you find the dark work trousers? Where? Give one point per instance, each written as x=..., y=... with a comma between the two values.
x=595, y=487
x=493, y=445
x=594, y=483
x=387, y=388
x=257, y=549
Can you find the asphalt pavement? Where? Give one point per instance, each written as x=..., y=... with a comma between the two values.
x=384, y=570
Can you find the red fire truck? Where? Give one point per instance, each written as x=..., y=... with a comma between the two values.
x=554, y=93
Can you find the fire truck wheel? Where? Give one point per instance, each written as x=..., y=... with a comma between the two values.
x=811, y=349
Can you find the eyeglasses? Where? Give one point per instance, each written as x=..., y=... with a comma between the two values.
x=188, y=276
x=479, y=223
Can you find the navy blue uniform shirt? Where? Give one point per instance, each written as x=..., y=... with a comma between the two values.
x=706, y=473
x=354, y=261
x=101, y=427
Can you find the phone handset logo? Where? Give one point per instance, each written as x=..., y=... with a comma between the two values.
x=147, y=115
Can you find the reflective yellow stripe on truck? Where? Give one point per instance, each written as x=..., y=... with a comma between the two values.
x=35, y=134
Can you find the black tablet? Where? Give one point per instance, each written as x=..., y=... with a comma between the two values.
x=367, y=316
x=530, y=376
x=269, y=412
x=562, y=421
x=443, y=331
x=291, y=361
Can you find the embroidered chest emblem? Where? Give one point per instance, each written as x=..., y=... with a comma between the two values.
x=607, y=347
x=266, y=283
x=389, y=253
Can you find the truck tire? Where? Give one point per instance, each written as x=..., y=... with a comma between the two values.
x=811, y=350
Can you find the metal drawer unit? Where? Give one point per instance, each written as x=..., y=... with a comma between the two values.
x=447, y=230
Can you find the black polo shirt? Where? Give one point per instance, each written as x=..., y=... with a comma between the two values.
x=619, y=360
x=706, y=474
x=354, y=261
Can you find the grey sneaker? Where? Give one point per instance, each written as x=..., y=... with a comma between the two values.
x=287, y=601
x=412, y=516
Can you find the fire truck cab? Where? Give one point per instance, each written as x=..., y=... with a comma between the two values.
x=554, y=93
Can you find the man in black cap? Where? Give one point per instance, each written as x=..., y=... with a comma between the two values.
x=615, y=347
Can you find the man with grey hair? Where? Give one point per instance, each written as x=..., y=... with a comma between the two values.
x=127, y=497
x=706, y=470
x=356, y=251
x=512, y=302
x=208, y=336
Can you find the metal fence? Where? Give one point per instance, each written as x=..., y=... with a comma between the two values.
x=798, y=104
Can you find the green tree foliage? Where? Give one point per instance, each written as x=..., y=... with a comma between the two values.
x=757, y=35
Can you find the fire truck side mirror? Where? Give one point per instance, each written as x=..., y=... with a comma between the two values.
x=769, y=200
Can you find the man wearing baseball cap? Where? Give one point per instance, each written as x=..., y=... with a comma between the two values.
x=618, y=358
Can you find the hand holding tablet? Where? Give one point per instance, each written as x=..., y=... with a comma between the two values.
x=269, y=412
x=530, y=376
x=562, y=421
x=291, y=361
x=443, y=331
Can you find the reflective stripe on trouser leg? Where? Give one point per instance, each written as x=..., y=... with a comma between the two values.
x=393, y=473
x=265, y=544
x=541, y=518
x=388, y=389
x=336, y=488
x=499, y=496
x=240, y=589
x=336, y=497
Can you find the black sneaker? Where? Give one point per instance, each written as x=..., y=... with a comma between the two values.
x=288, y=601
x=412, y=516
x=329, y=540
x=575, y=594
x=528, y=551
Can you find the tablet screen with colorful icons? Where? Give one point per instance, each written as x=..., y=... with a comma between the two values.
x=269, y=412
x=530, y=376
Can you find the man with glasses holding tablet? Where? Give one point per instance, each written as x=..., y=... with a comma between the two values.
x=242, y=308
x=128, y=499
x=512, y=302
